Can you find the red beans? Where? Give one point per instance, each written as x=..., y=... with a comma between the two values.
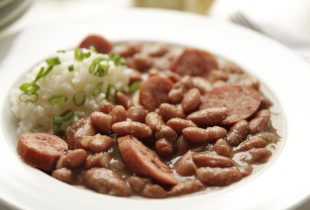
x=153, y=191
x=185, y=187
x=132, y=128
x=101, y=121
x=97, y=143
x=63, y=174
x=140, y=62
x=191, y=100
x=238, y=133
x=221, y=147
x=72, y=159
x=186, y=166
x=118, y=114
x=208, y=117
x=260, y=122
x=155, y=92
x=137, y=113
x=98, y=42
x=260, y=155
x=218, y=176
x=99, y=160
x=175, y=95
x=241, y=102
x=194, y=62
x=106, y=181
x=250, y=143
x=200, y=135
x=122, y=99
x=143, y=161
x=167, y=133
x=179, y=124
x=154, y=121
x=208, y=160
x=41, y=150
x=168, y=111
x=163, y=148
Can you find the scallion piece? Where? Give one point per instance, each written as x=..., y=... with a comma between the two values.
x=29, y=88
x=25, y=97
x=97, y=68
x=71, y=67
x=97, y=89
x=58, y=99
x=79, y=55
x=62, y=121
x=134, y=87
x=79, y=98
x=92, y=48
x=53, y=61
x=111, y=93
x=118, y=61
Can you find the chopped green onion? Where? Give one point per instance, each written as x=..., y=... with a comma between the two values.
x=111, y=93
x=62, y=121
x=92, y=48
x=25, y=97
x=97, y=89
x=134, y=87
x=42, y=73
x=57, y=99
x=118, y=61
x=79, y=98
x=29, y=88
x=80, y=55
x=53, y=61
x=71, y=67
x=97, y=68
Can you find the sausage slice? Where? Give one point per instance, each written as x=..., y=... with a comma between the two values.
x=41, y=150
x=155, y=92
x=143, y=161
x=194, y=63
x=100, y=43
x=241, y=102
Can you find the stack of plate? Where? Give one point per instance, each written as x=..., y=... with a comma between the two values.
x=10, y=10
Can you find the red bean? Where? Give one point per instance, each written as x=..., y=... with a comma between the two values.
x=122, y=100
x=260, y=155
x=185, y=166
x=260, y=122
x=106, y=107
x=97, y=143
x=137, y=113
x=191, y=100
x=72, y=159
x=208, y=160
x=208, y=117
x=186, y=187
x=63, y=174
x=221, y=147
x=118, y=114
x=101, y=121
x=140, y=62
x=153, y=191
x=175, y=95
x=167, y=133
x=163, y=148
x=99, y=160
x=238, y=133
x=179, y=124
x=168, y=111
x=200, y=135
x=181, y=146
x=250, y=143
x=154, y=121
x=132, y=128
x=218, y=176
x=137, y=184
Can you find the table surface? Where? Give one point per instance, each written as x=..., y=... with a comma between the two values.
x=71, y=10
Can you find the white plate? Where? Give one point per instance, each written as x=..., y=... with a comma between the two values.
x=282, y=183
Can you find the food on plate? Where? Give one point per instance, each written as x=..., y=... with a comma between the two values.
x=142, y=118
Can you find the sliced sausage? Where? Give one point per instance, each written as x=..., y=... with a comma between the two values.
x=221, y=147
x=132, y=128
x=154, y=92
x=179, y=124
x=143, y=161
x=77, y=131
x=185, y=166
x=238, y=133
x=137, y=113
x=106, y=181
x=200, y=135
x=101, y=121
x=218, y=176
x=208, y=160
x=209, y=116
x=72, y=159
x=186, y=187
x=41, y=150
x=194, y=62
x=191, y=100
x=241, y=102
x=168, y=111
x=98, y=42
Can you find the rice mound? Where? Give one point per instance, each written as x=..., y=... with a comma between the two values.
x=38, y=116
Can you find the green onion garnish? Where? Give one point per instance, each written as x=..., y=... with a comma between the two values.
x=71, y=68
x=80, y=55
x=97, y=89
x=118, y=61
x=134, y=87
x=57, y=99
x=25, y=97
x=62, y=121
x=97, y=68
x=79, y=98
x=53, y=61
x=111, y=93
x=92, y=48
x=29, y=88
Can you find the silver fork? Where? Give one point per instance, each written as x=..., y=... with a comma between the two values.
x=299, y=46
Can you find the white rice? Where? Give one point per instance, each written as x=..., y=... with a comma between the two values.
x=38, y=115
